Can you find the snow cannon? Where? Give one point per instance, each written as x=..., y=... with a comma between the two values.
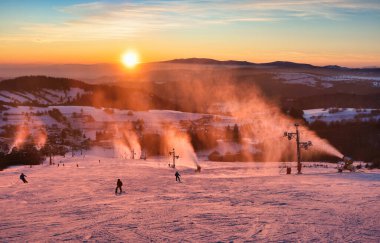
x=347, y=160
x=346, y=164
x=198, y=169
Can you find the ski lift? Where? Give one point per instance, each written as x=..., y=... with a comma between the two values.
x=174, y=158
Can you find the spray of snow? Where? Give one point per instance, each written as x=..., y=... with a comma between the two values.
x=266, y=123
x=31, y=130
x=259, y=118
x=133, y=142
x=40, y=137
x=320, y=145
x=21, y=135
x=121, y=149
x=181, y=143
x=126, y=142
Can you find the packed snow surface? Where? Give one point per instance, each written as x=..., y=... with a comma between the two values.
x=225, y=202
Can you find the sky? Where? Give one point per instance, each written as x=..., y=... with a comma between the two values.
x=326, y=32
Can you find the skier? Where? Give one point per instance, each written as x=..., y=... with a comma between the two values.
x=119, y=184
x=177, y=176
x=22, y=177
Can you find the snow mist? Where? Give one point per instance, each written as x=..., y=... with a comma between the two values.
x=132, y=140
x=40, y=138
x=126, y=142
x=266, y=123
x=25, y=133
x=22, y=133
x=226, y=91
x=181, y=143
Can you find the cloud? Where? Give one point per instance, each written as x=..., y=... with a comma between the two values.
x=110, y=20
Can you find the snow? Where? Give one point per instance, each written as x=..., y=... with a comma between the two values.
x=351, y=78
x=312, y=115
x=298, y=78
x=153, y=119
x=327, y=85
x=43, y=96
x=4, y=98
x=100, y=114
x=225, y=202
x=12, y=97
x=325, y=81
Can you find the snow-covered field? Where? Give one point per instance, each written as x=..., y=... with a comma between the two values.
x=341, y=114
x=43, y=96
x=225, y=202
x=325, y=81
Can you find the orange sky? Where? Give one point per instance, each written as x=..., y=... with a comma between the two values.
x=75, y=31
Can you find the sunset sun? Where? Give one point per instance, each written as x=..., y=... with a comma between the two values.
x=130, y=59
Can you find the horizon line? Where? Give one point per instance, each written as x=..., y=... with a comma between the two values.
x=187, y=58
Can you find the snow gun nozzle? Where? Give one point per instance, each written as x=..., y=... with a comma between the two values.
x=347, y=159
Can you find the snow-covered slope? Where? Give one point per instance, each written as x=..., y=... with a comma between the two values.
x=225, y=202
x=42, y=96
x=79, y=117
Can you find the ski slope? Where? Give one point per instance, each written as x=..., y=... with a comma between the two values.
x=225, y=202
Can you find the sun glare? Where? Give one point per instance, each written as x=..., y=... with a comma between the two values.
x=130, y=59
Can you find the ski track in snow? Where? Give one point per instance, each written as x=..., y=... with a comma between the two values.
x=226, y=202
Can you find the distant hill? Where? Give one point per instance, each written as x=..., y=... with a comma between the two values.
x=209, y=61
x=45, y=91
x=283, y=64
x=275, y=64
x=28, y=83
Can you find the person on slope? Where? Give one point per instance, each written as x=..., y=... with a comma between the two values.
x=22, y=177
x=177, y=176
x=119, y=184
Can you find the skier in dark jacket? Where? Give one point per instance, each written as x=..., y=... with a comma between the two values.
x=177, y=176
x=119, y=184
x=22, y=177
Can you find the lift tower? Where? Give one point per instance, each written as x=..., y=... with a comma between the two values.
x=174, y=158
x=133, y=153
x=304, y=145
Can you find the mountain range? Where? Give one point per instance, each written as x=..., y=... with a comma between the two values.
x=101, y=72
